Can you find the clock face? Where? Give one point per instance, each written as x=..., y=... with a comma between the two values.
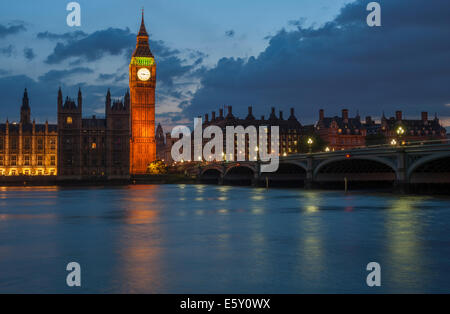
x=144, y=74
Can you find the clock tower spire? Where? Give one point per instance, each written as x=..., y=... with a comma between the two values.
x=142, y=72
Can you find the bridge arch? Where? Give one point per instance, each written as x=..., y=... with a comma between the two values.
x=289, y=173
x=384, y=163
x=211, y=169
x=233, y=168
x=295, y=163
x=426, y=160
x=239, y=174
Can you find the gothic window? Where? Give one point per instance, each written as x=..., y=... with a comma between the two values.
x=13, y=160
x=14, y=143
x=52, y=143
x=69, y=120
x=26, y=160
x=27, y=143
x=40, y=161
x=40, y=144
x=52, y=160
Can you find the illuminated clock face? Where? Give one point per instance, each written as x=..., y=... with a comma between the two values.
x=144, y=74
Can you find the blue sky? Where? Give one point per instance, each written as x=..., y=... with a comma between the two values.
x=307, y=54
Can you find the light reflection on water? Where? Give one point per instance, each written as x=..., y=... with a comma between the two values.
x=221, y=239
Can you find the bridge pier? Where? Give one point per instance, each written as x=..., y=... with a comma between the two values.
x=309, y=181
x=401, y=182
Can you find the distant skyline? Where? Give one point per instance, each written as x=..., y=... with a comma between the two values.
x=307, y=54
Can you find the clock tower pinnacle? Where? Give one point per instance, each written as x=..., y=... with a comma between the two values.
x=142, y=72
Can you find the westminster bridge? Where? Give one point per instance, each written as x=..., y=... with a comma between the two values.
x=402, y=167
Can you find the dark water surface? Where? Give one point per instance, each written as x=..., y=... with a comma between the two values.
x=219, y=239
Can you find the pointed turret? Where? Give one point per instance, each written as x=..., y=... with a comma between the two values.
x=108, y=100
x=126, y=101
x=142, y=30
x=60, y=99
x=25, y=111
x=142, y=46
x=80, y=99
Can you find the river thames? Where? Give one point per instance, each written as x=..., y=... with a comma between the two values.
x=221, y=239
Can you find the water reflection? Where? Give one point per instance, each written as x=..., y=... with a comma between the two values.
x=406, y=256
x=139, y=243
x=165, y=239
x=311, y=242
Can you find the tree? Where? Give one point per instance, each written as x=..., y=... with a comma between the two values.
x=318, y=144
x=157, y=167
x=376, y=139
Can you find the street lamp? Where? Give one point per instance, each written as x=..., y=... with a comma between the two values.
x=327, y=149
x=394, y=142
x=310, y=143
x=400, y=131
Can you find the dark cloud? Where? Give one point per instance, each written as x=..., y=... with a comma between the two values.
x=112, y=41
x=43, y=96
x=77, y=53
x=66, y=36
x=7, y=51
x=60, y=75
x=10, y=30
x=404, y=64
x=29, y=54
x=116, y=77
x=105, y=76
x=230, y=33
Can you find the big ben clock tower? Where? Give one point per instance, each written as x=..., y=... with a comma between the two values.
x=142, y=92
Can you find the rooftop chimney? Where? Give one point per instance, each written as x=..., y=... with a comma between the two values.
x=213, y=116
x=424, y=116
x=292, y=112
x=345, y=115
x=281, y=115
x=321, y=114
x=398, y=115
x=250, y=111
x=221, y=113
x=206, y=118
x=230, y=110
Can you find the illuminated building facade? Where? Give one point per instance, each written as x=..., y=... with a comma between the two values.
x=417, y=130
x=341, y=132
x=93, y=147
x=290, y=133
x=142, y=72
x=27, y=148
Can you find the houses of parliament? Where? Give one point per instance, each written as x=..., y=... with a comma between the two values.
x=113, y=147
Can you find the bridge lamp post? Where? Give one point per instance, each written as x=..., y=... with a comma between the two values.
x=394, y=142
x=327, y=149
x=310, y=143
x=400, y=131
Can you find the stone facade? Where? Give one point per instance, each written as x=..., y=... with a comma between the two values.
x=341, y=132
x=93, y=147
x=27, y=148
x=142, y=72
